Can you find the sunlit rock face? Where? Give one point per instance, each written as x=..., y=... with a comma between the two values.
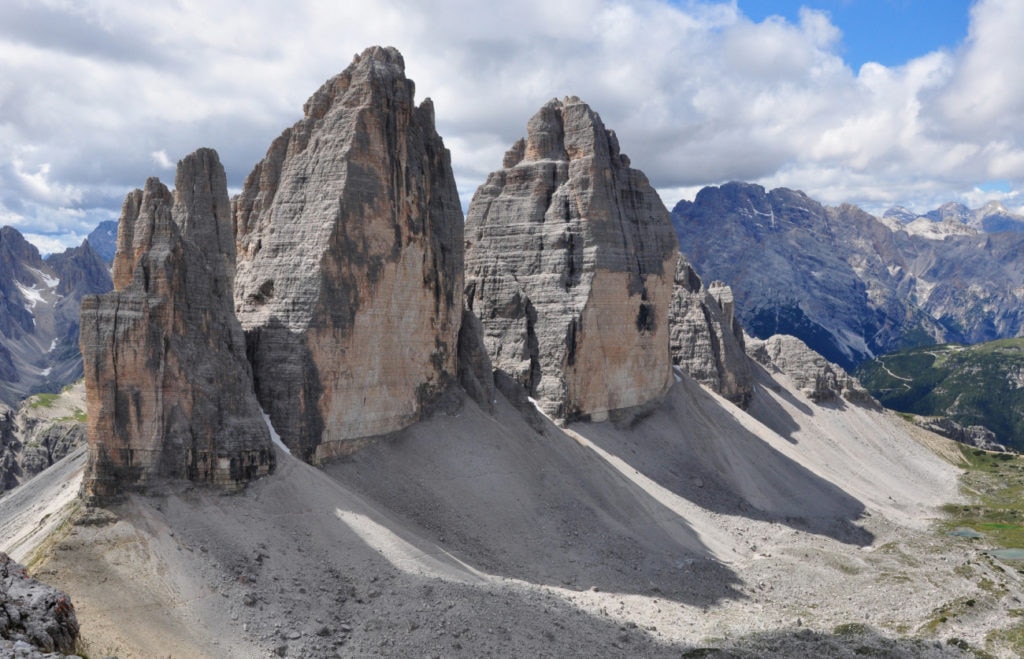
x=813, y=375
x=350, y=262
x=569, y=266
x=168, y=388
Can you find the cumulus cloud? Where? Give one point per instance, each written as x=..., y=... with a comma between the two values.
x=97, y=95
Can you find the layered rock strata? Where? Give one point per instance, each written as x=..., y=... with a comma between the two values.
x=350, y=262
x=815, y=377
x=705, y=338
x=569, y=262
x=168, y=388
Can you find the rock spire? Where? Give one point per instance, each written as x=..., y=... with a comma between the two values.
x=168, y=389
x=569, y=262
x=350, y=262
x=706, y=339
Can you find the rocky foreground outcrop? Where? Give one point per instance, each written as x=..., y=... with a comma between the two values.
x=813, y=375
x=33, y=616
x=168, y=389
x=705, y=338
x=569, y=262
x=350, y=262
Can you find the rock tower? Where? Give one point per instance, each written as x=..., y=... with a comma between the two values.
x=570, y=257
x=350, y=262
x=168, y=388
x=706, y=339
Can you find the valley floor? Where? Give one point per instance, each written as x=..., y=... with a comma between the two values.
x=791, y=530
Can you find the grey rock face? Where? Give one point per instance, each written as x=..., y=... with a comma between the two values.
x=104, y=240
x=569, y=261
x=817, y=378
x=978, y=436
x=168, y=388
x=350, y=262
x=847, y=284
x=33, y=613
x=705, y=338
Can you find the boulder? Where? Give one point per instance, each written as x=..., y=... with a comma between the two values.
x=34, y=614
x=569, y=262
x=350, y=263
x=168, y=388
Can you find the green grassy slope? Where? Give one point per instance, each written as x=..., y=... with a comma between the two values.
x=974, y=385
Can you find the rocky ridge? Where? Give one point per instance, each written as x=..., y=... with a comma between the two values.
x=813, y=375
x=955, y=218
x=705, y=339
x=978, y=436
x=844, y=282
x=350, y=262
x=168, y=388
x=569, y=262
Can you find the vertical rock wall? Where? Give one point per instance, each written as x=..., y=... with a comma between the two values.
x=569, y=262
x=706, y=340
x=168, y=389
x=350, y=262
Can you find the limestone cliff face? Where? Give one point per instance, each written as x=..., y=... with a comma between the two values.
x=168, y=389
x=705, y=338
x=816, y=377
x=350, y=262
x=569, y=262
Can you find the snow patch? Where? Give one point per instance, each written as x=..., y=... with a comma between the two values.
x=274, y=437
x=46, y=371
x=31, y=295
x=49, y=280
x=53, y=345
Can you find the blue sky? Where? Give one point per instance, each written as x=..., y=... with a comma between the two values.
x=875, y=103
x=889, y=32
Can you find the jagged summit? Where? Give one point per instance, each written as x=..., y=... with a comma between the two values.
x=168, y=388
x=954, y=218
x=569, y=264
x=350, y=262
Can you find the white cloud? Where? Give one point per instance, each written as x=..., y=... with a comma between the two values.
x=54, y=243
x=697, y=93
x=161, y=159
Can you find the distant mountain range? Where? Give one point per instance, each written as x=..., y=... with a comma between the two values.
x=851, y=285
x=39, y=307
x=954, y=218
